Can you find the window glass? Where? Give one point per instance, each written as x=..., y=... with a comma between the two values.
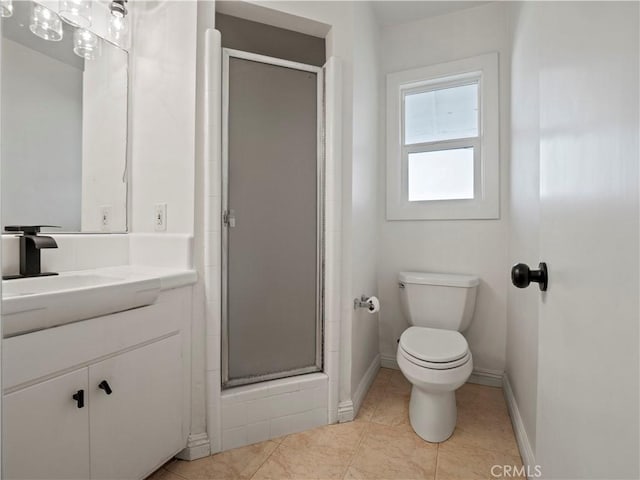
x=441, y=114
x=441, y=175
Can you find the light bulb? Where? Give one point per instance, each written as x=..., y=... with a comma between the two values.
x=76, y=12
x=87, y=44
x=118, y=28
x=6, y=8
x=45, y=23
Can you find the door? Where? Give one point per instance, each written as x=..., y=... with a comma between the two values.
x=587, y=423
x=46, y=430
x=136, y=410
x=272, y=190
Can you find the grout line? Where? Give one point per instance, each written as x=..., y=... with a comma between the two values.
x=173, y=473
x=435, y=471
x=267, y=458
x=357, y=449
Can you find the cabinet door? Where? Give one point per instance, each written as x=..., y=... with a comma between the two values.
x=46, y=434
x=139, y=424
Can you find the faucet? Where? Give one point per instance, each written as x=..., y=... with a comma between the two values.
x=30, y=245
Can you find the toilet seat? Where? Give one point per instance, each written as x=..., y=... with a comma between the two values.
x=434, y=348
x=435, y=365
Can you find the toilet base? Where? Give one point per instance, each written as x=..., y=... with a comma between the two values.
x=433, y=415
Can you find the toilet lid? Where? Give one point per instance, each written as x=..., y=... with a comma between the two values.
x=434, y=345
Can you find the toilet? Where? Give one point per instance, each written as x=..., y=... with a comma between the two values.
x=432, y=353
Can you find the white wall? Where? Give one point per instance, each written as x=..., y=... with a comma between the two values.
x=461, y=246
x=364, y=192
x=524, y=219
x=163, y=114
x=104, y=140
x=41, y=139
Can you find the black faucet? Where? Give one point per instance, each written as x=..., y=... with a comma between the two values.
x=30, y=245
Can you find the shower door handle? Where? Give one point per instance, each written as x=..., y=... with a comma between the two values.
x=229, y=218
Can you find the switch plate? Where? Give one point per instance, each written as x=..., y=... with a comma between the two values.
x=160, y=217
x=105, y=218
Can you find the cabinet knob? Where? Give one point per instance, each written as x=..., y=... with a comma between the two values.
x=79, y=398
x=104, y=385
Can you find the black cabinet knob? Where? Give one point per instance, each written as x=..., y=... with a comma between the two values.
x=522, y=276
x=104, y=385
x=79, y=398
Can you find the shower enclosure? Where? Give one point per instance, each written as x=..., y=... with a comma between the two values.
x=272, y=282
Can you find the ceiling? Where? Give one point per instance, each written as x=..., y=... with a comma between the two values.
x=393, y=12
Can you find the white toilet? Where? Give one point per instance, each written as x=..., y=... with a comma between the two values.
x=432, y=353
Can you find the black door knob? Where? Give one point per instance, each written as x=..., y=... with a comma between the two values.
x=522, y=276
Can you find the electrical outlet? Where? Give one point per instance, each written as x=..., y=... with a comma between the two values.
x=160, y=217
x=105, y=218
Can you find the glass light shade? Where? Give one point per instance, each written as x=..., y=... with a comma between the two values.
x=87, y=44
x=45, y=23
x=118, y=28
x=6, y=8
x=76, y=12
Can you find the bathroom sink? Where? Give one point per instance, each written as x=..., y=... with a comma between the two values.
x=35, y=303
x=57, y=283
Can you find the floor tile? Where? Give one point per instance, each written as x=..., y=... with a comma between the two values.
x=467, y=463
x=388, y=452
x=345, y=436
x=369, y=404
x=162, y=474
x=379, y=444
x=393, y=410
x=385, y=373
x=239, y=463
x=304, y=462
x=399, y=384
x=485, y=423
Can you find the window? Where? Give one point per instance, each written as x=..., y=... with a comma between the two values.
x=442, y=141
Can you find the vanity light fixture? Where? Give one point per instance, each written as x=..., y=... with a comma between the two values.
x=6, y=8
x=86, y=44
x=76, y=12
x=45, y=23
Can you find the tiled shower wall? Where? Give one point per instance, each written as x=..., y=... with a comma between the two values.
x=272, y=409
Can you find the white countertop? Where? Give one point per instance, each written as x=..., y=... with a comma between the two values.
x=35, y=303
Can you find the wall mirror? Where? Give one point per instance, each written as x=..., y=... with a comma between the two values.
x=63, y=135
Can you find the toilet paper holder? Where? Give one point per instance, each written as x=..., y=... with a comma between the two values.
x=363, y=302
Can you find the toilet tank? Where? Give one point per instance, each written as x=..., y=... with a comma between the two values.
x=438, y=300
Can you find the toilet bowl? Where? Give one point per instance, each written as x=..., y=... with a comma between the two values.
x=432, y=408
x=432, y=354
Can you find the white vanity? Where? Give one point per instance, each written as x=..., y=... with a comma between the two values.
x=101, y=398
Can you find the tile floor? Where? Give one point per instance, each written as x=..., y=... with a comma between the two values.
x=379, y=444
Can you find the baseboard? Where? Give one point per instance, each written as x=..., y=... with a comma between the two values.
x=198, y=446
x=490, y=378
x=346, y=413
x=389, y=362
x=526, y=452
x=365, y=383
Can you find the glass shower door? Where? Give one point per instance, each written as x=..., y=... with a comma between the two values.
x=272, y=194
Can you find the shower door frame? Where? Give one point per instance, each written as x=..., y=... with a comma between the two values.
x=228, y=53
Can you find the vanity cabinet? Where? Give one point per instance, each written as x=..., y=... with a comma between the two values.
x=45, y=434
x=130, y=416
x=140, y=421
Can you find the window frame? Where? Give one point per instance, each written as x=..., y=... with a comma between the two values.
x=482, y=70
